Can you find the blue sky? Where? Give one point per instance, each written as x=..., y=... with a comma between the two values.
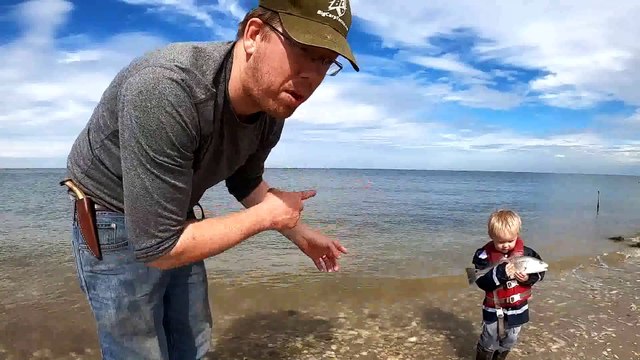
x=463, y=85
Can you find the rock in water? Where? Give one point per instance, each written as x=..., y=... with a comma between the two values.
x=617, y=238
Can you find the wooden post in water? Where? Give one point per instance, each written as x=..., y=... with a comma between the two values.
x=598, y=206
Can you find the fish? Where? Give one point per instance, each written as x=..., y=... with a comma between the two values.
x=522, y=264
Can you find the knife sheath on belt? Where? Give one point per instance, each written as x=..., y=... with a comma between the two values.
x=85, y=208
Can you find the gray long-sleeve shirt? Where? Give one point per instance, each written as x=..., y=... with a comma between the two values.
x=161, y=135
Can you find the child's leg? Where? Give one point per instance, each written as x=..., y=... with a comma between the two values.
x=488, y=342
x=510, y=340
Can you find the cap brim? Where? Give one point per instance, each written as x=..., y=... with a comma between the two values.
x=313, y=33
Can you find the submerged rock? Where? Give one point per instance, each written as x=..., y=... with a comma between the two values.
x=631, y=241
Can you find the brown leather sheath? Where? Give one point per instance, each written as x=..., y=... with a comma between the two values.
x=86, y=210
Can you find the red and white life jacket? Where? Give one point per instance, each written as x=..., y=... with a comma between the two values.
x=512, y=294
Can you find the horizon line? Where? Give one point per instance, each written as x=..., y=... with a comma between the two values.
x=385, y=169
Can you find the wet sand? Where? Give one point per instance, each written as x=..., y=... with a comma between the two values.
x=586, y=308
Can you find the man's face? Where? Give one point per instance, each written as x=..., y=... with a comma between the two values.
x=282, y=74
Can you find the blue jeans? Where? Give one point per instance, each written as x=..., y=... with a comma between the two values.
x=489, y=337
x=142, y=312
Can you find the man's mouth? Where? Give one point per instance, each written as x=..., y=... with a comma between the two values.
x=295, y=95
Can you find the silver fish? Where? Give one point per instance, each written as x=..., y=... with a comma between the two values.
x=522, y=264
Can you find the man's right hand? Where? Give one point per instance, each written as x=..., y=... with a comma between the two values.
x=284, y=208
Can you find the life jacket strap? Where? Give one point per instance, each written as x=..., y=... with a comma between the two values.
x=511, y=299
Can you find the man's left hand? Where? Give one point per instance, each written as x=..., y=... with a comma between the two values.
x=323, y=250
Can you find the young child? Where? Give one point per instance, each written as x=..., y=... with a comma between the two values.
x=505, y=308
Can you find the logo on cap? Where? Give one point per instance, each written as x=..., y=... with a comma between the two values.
x=339, y=6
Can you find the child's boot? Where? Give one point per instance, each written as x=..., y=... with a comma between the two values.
x=500, y=355
x=483, y=354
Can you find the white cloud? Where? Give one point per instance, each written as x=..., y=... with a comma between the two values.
x=567, y=97
x=26, y=147
x=449, y=63
x=231, y=7
x=588, y=48
x=622, y=128
x=362, y=100
x=81, y=56
x=393, y=117
x=500, y=151
x=185, y=7
x=201, y=13
x=49, y=85
x=42, y=18
x=478, y=96
x=632, y=122
x=509, y=75
x=47, y=94
x=50, y=90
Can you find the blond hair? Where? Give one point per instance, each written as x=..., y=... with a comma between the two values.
x=504, y=224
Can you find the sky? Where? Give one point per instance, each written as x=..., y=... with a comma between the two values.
x=540, y=86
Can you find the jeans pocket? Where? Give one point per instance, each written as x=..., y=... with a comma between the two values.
x=112, y=236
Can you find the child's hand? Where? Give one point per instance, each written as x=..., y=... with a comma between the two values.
x=510, y=270
x=521, y=277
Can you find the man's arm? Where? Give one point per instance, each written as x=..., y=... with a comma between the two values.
x=212, y=236
x=257, y=196
x=323, y=251
x=249, y=188
x=209, y=237
x=158, y=134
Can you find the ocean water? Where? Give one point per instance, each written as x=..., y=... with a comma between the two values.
x=409, y=234
x=400, y=224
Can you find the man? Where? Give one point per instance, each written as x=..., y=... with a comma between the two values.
x=171, y=125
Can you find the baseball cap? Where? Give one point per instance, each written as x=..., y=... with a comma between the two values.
x=321, y=23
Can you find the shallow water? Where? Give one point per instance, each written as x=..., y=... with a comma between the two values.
x=406, y=224
x=401, y=292
x=584, y=307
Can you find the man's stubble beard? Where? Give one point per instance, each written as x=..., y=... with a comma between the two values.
x=260, y=94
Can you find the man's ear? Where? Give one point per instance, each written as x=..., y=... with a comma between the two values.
x=253, y=34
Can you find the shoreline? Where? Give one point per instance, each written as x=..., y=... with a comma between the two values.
x=455, y=276
x=401, y=292
x=584, y=307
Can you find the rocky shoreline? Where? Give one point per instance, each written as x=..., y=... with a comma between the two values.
x=586, y=310
x=589, y=312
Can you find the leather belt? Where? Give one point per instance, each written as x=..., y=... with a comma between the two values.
x=99, y=207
